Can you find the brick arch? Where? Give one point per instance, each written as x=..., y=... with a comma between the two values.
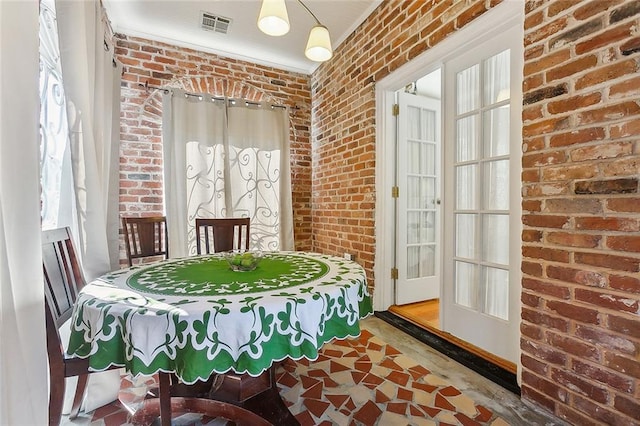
x=152, y=104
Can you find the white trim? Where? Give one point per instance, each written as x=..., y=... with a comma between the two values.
x=489, y=24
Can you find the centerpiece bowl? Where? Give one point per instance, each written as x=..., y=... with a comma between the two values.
x=243, y=260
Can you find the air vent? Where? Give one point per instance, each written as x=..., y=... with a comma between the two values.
x=216, y=23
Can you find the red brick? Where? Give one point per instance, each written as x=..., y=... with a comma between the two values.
x=628, y=366
x=538, y=367
x=546, y=386
x=598, y=412
x=573, y=346
x=573, y=103
x=593, y=392
x=577, y=137
x=607, y=73
x=532, y=331
x=543, y=158
x=532, y=268
x=530, y=394
x=608, y=113
x=607, y=339
x=569, y=172
x=545, y=253
x=575, y=417
x=607, y=223
x=628, y=284
x=571, y=68
x=594, y=371
x=542, y=287
x=544, y=221
x=530, y=299
x=573, y=240
x=608, y=301
x=572, y=311
x=543, y=319
x=620, y=263
x=611, y=150
x=629, y=128
x=627, y=87
x=531, y=236
x=630, y=205
x=630, y=407
x=624, y=243
x=578, y=276
x=594, y=7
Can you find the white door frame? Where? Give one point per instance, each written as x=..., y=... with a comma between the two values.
x=489, y=24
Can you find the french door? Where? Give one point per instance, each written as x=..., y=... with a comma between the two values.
x=482, y=215
x=418, y=202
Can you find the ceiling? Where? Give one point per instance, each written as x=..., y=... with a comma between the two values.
x=178, y=22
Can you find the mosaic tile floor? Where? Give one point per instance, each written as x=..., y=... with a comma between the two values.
x=365, y=381
x=355, y=382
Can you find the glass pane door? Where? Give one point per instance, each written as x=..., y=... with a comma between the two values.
x=418, y=184
x=482, y=164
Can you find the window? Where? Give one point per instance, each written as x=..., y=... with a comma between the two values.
x=55, y=158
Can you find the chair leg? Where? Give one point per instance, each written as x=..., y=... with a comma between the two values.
x=165, y=399
x=56, y=397
x=77, y=398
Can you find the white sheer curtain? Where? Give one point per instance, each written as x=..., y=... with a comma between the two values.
x=23, y=356
x=225, y=158
x=92, y=88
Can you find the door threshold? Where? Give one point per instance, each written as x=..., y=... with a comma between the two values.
x=456, y=349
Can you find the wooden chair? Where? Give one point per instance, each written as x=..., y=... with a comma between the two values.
x=145, y=237
x=62, y=280
x=228, y=234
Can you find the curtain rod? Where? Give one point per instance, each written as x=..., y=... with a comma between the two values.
x=217, y=98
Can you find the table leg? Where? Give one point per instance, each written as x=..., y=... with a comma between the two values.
x=258, y=394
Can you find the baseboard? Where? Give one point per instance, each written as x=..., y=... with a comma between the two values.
x=493, y=372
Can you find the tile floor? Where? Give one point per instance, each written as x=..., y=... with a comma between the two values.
x=386, y=378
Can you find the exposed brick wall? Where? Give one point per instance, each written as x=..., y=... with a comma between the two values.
x=343, y=132
x=581, y=210
x=162, y=65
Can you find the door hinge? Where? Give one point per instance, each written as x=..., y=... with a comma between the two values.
x=395, y=110
x=395, y=192
x=394, y=273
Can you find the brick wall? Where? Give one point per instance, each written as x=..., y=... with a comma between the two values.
x=581, y=210
x=157, y=64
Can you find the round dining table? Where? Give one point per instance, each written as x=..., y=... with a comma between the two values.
x=196, y=318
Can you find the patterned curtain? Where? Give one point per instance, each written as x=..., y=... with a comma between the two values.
x=226, y=158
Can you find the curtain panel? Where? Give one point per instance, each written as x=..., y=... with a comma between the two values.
x=91, y=80
x=23, y=354
x=226, y=158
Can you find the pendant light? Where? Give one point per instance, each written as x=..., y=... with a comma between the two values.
x=274, y=20
x=319, y=44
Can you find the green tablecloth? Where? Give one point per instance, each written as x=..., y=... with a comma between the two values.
x=194, y=316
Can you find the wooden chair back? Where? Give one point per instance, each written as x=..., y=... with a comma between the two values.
x=145, y=237
x=222, y=234
x=63, y=280
x=63, y=277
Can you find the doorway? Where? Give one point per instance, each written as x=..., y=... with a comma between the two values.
x=461, y=230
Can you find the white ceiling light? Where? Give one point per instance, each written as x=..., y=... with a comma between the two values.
x=274, y=21
x=319, y=44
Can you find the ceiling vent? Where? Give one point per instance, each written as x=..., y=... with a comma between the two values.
x=218, y=24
